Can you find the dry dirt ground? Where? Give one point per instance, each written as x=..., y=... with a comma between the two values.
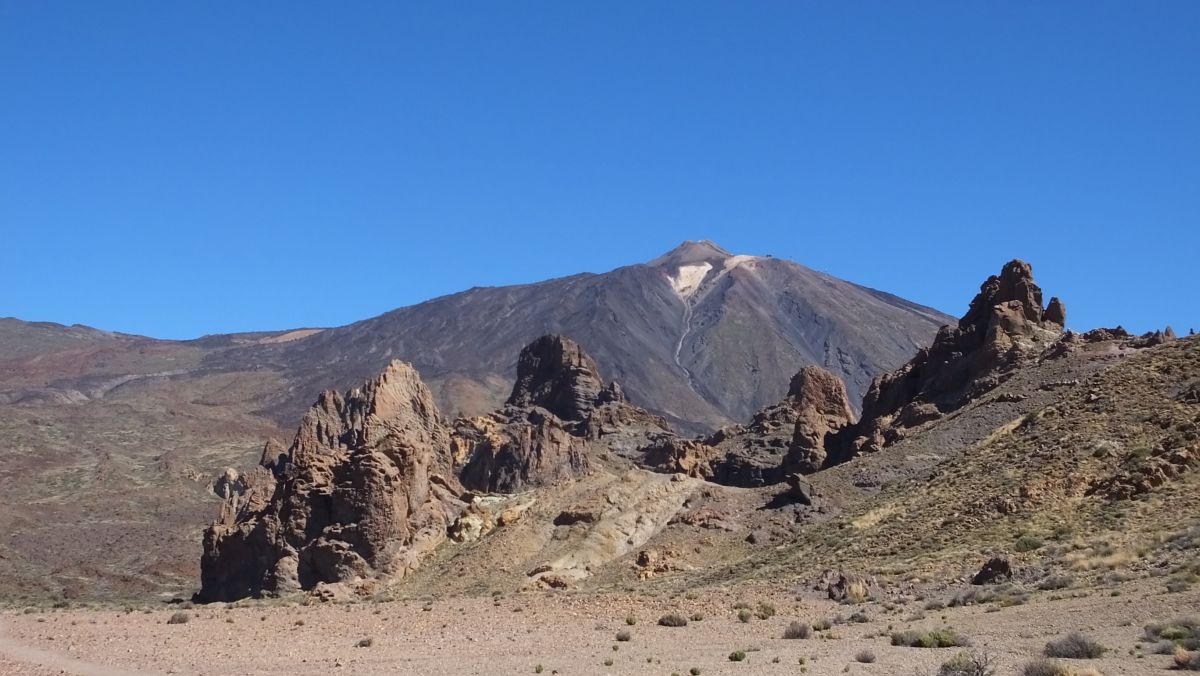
x=575, y=633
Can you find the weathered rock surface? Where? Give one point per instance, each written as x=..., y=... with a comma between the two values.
x=558, y=409
x=365, y=490
x=787, y=437
x=997, y=569
x=555, y=373
x=622, y=519
x=675, y=455
x=1004, y=327
x=821, y=407
x=517, y=449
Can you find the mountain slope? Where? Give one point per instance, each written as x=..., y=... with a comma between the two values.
x=699, y=335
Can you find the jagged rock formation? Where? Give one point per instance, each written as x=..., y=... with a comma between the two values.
x=822, y=408
x=558, y=405
x=365, y=490
x=786, y=438
x=1004, y=326
x=517, y=449
x=375, y=478
x=555, y=373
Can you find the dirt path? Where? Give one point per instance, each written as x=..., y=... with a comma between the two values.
x=16, y=655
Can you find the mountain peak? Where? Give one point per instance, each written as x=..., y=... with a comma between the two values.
x=691, y=252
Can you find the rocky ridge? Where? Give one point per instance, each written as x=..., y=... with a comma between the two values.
x=1004, y=326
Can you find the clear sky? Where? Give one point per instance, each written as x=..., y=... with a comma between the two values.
x=176, y=169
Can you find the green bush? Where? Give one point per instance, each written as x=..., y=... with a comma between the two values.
x=737, y=656
x=937, y=638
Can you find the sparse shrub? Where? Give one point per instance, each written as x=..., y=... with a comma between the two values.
x=1183, y=632
x=765, y=611
x=538, y=669
x=1055, y=582
x=1176, y=586
x=937, y=638
x=935, y=605
x=608, y=662
x=694, y=671
x=697, y=616
x=796, y=630
x=737, y=656
x=856, y=592
x=630, y=619
x=673, y=620
x=822, y=624
x=365, y=642
x=744, y=615
x=1027, y=543
x=864, y=656
x=859, y=617
x=179, y=618
x=624, y=636
x=968, y=664
x=1043, y=667
x=1074, y=646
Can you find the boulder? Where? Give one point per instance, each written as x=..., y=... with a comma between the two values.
x=996, y=570
x=800, y=490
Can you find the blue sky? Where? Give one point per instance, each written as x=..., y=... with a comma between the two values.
x=176, y=169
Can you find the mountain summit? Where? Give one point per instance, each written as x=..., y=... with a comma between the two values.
x=691, y=253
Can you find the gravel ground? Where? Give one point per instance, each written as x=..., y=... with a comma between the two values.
x=568, y=634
